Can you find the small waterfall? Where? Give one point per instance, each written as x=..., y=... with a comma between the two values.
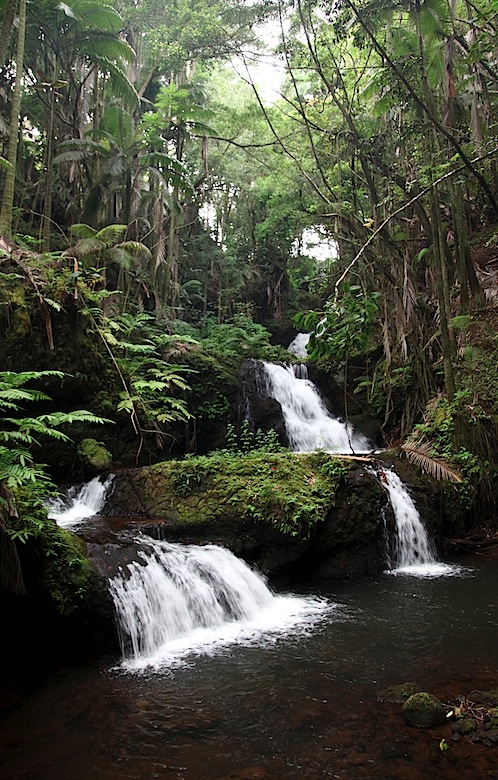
x=413, y=551
x=79, y=503
x=183, y=599
x=308, y=424
x=298, y=346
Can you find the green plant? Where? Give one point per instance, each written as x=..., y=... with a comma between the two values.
x=343, y=328
x=456, y=432
x=246, y=440
x=23, y=482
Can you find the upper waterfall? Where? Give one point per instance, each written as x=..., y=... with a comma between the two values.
x=309, y=425
x=298, y=346
x=79, y=503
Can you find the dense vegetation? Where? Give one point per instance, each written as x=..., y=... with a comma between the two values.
x=159, y=208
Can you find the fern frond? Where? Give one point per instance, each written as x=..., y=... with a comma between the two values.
x=419, y=452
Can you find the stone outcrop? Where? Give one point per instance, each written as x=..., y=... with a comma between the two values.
x=281, y=513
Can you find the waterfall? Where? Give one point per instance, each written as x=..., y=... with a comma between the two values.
x=413, y=551
x=298, y=346
x=183, y=599
x=79, y=502
x=309, y=426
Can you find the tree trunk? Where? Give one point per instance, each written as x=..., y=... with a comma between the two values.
x=10, y=176
x=7, y=23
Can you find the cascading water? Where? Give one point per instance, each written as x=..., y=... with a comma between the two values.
x=413, y=551
x=298, y=345
x=79, y=503
x=308, y=424
x=184, y=599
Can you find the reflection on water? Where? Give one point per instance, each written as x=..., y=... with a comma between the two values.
x=303, y=707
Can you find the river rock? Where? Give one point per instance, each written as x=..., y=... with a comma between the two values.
x=398, y=694
x=488, y=698
x=226, y=502
x=464, y=726
x=423, y=710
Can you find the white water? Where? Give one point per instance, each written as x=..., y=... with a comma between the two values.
x=181, y=600
x=298, y=346
x=414, y=552
x=308, y=424
x=79, y=503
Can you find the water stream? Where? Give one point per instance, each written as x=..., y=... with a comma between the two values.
x=308, y=423
x=411, y=551
x=183, y=600
x=299, y=707
x=222, y=678
x=79, y=503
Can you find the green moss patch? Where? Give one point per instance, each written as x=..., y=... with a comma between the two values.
x=291, y=492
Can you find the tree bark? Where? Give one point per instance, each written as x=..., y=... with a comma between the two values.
x=10, y=176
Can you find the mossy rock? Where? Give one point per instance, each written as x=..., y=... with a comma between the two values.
x=398, y=694
x=464, y=726
x=94, y=456
x=488, y=698
x=423, y=710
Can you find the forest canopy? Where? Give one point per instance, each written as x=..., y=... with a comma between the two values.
x=154, y=182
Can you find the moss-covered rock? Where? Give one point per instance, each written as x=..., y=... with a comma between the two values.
x=94, y=456
x=398, y=694
x=315, y=513
x=488, y=698
x=66, y=610
x=423, y=710
x=464, y=726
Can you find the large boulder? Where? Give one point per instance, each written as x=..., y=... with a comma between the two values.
x=295, y=516
x=95, y=456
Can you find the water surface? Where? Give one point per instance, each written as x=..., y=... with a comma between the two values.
x=294, y=707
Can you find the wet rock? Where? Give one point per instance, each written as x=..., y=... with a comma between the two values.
x=464, y=726
x=398, y=694
x=488, y=698
x=490, y=737
x=423, y=710
x=248, y=506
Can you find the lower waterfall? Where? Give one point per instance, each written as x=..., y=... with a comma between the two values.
x=180, y=600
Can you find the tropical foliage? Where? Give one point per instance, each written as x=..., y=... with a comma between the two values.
x=157, y=192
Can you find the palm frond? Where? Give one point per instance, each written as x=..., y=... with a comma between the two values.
x=419, y=452
x=95, y=15
x=87, y=246
x=111, y=234
x=80, y=230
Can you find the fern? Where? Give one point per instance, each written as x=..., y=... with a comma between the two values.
x=24, y=483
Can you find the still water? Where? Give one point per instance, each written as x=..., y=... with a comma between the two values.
x=293, y=705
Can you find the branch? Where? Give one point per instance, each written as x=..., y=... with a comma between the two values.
x=402, y=208
x=437, y=124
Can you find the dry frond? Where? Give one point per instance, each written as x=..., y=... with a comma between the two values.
x=418, y=452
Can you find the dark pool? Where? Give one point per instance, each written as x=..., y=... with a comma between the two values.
x=299, y=707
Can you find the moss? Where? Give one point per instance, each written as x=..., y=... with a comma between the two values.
x=291, y=492
x=62, y=574
x=94, y=455
x=464, y=726
x=423, y=710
